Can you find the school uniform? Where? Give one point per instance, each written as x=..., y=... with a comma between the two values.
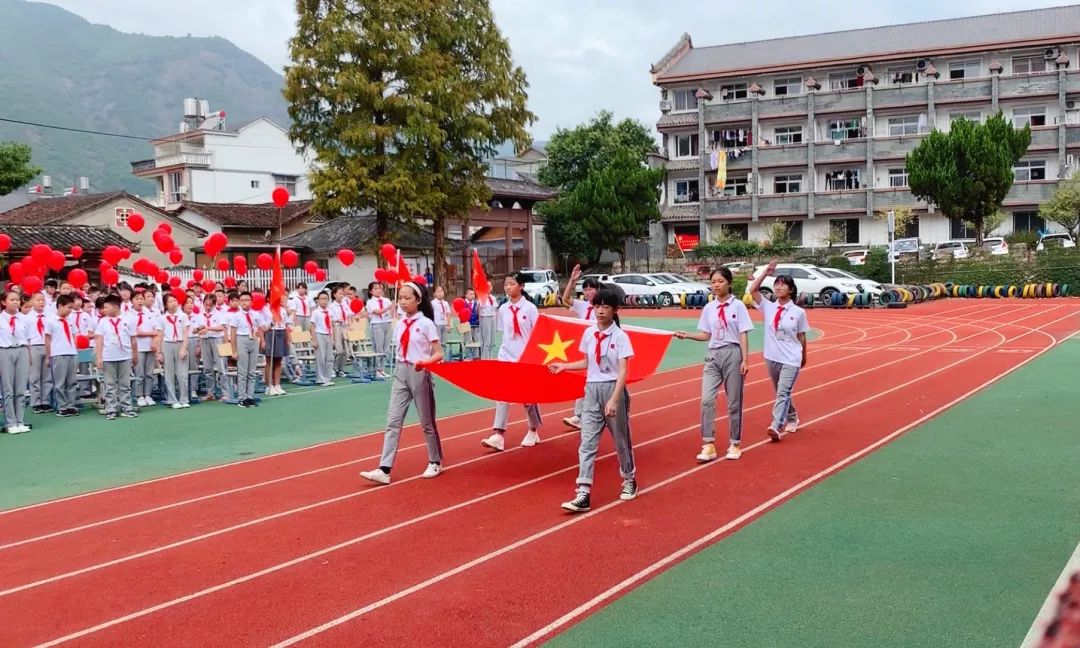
x=143, y=321
x=339, y=317
x=603, y=350
x=40, y=380
x=213, y=364
x=173, y=330
x=783, y=357
x=116, y=353
x=487, y=312
x=63, y=361
x=277, y=337
x=516, y=321
x=247, y=326
x=725, y=322
x=14, y=368
x=582, y=310
x=192, y=356
x=380, y=329
x=324, y=339
x=301, y=306
x=417, y=337
x=442, y=317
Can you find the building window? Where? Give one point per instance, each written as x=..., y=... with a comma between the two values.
x=788, y=86
x=794, y=232
x=842, y=180
x=686, y=191
x=1029, y=117
x=846, y=230
x=740, y=231
x=788, y=183
x=844, y=81
x=176, y=180
x=686, y=145
x=972, y=116
x=730, y=138
x=733, y=91
x=288, y=182
x=907, y=125
x=910, y=230
x=685, y=100
x=789, y=134
x=898, y=178
x=1028, y=64
x=1025, y=170
x=901, y=76
x=842, y=129
x=1028, y=222
x=120, y=215
x=736, y=187
x=254, y=184
x=960, y=229
x=965, y=69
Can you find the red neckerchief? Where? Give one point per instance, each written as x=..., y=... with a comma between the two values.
x=404, y=345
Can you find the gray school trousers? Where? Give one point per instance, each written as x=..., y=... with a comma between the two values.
x=410, y=385
x=783, y=379
x=324, y=358
x=593, y=423
x=341, y=348
x=213, y=366
x=380, y=342
x=144, y=374
x=40, y=380
x=487, y=336
x=247, y=362
x=117, y=378
x=176, y=376
x=502, y=413
x=193, y=366
x=722, y=368
x=14, y=380
x=63, y=370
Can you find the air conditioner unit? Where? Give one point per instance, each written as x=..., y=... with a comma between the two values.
x=921, y=65
x=665, y=105
x=1070, y=105
x=1051, y=53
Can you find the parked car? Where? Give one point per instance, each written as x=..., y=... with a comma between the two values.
x=316, y=287
x=996, y=245
x=1059, y=239
x=602, y=278
x=739, y=267
x=540, y=282
x=868, y=285
x=681, y=285
x=958, y=249
x=856, y=257
x=633, y=283
x=808, y=279
x=905, y=247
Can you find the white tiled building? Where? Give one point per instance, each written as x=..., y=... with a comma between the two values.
x=815, y=128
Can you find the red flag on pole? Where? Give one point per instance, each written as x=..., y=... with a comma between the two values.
x=480, y=281
x=277, y=288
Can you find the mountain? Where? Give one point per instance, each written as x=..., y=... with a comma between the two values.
x=57, y=68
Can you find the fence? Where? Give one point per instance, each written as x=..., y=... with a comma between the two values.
x=255, y=279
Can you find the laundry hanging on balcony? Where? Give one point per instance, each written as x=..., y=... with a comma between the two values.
x=724, y=155
x=721, y=168
x=731, y=138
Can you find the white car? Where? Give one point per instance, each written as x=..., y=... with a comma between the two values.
x=856, y=257
x=958, y=249
x=996, y=245
x=867, y=285
x=808, y=279
x=905, y=246
x=540, y=282
x=738, y=267
x=633, y=283
x=677, y=283
x=1060, y=239
x=602, y=278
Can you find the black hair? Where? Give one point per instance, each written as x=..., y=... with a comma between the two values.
x=209, y=297
x=425, y=300
x=323, y=293
x=99, y=303
x=64, y=300
x=9, y=292
x=124, y=286
x=112, y=299
x=233, y=295
x=51, y=283
x=788, y=281
x=723, y=272
x=372, y=285
x=241, y=295
x=339, y=287
x=607, y=297
x=169, y=296
x=301, y=285
x=591, y=282
x=519, y=278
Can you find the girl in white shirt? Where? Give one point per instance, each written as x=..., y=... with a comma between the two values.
x=583, y=309
x=14, y=363
x=172, y=326
x=381, y=315
x=418, y=346
x=322, y=341
x=442, y=313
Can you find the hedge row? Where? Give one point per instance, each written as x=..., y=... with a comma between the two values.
x=1060, y=266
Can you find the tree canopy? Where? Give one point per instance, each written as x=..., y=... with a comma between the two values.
x=1063, y=207
x=15, y=167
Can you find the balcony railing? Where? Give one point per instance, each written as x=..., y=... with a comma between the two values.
x=200, y=158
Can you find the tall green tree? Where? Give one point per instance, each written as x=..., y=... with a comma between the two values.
x=1063, y=207
x=968, y=171
x=607, y=193
x=401, y=101
x=15, y=167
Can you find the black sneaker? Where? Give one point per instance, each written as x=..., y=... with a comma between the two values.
x=629, y=489
x=579, y=504
x=64, y=413
x=39, y=409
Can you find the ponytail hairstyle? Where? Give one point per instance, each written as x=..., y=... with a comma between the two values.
x=723, y=272
x=607, y=297
x=425, y=299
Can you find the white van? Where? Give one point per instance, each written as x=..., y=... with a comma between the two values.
x=540, y=282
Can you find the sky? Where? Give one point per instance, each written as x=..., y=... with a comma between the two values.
x=580, y=56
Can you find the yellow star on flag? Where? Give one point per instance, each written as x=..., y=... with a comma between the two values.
x=556, y=349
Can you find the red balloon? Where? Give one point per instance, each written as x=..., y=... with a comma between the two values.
x=346, y=257
x=164, y=243
x=264, y=261
x=258, y=301
x=77, y=277
x=280, y=197
x=230, y=282
x=15, y=270
x=290, y=259
x=179, y=293
x=223, y=264
x=5, y=243
x=113, y=255
x=31, y=267
x=389, y=252
x=151, y=269
x=208, y=285
x=241, y=270
x=57, y=261
x=165, y=227
x=356, y=305
x=110, y=277
x=197, y=275
x=420, y=280
x=239, y=260
x=32, y=284
x=175, y=257
x=82, y=342
x=391, y=276
x=76, y=251
x=215, y=243
x=125, y=253
x=136, y=222
x=463, y=314
x=161, y=277
x=380, y=274
x=175, y=281
x=41, y=253
x=311, y=267
x=320, y=275
x=458, y=304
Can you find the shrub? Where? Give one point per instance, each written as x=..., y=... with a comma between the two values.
x=738, y=284
x=877, y=266
x=1052, y=266
x=1030, y=239
x=838, y=262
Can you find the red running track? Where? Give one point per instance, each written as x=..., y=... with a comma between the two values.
x=351, y=562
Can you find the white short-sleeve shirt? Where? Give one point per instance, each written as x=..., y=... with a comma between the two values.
x=487, y=307
x=442, y=312
x=781, y=338
x=614, y=345
x=301, y=306
x=423, y=336
x=14, y=330
x=61, y=340
x=583, y=310
x=526, y=314
x=323, y=321
x=736, y=321
x=376, y=304
x=172, y=326
x=148, y=325
x=35, y=327
x=247, y=323
x=340, y=312
x=116, y=338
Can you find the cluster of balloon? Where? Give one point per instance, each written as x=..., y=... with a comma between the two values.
x=30, y=271
x=463, y=310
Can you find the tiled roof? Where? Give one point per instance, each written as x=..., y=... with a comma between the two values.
x=249, y=215
x=44, y=211
x=519, y=189
x=680, y=212
x=677, y=119
x=357, y=232
x=917, y=39
x=62, y=237
x=682, y=165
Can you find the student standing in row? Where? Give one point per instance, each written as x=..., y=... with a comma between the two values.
x=40, y=380
x=246, y=331
x=173, y=329
x=785, y=347
x=442, y=313
x=60, y=337
x=276, y=347
x=583, y=309
x=14, y=363
x=301, y=307
x=517, y=317
x=725, y=324
x=322, y=341
x=211, y=328
x=489, y=320
x=144, y=324
x=192, y=349
x=418, y=346
x=607, y=352
x=115, y=352
x=339, y=316
x=381, y=315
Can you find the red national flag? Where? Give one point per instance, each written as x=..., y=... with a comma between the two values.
x=480, y=281
x=553, y=339
x=277, y=288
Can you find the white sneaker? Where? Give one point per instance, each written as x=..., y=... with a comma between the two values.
x=433, y=470
x=185, y=405
x=792, y=426
x=532, y=437
x=141, y=402
x=495, y=442
x=150, y=402
x=281, y=391
x=708, y=453
x=377, y=476
x=15, y=429
x=573, y=421
x=177, y=406
x=733, y=452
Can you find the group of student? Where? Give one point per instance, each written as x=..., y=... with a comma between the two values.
x=724, y=324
